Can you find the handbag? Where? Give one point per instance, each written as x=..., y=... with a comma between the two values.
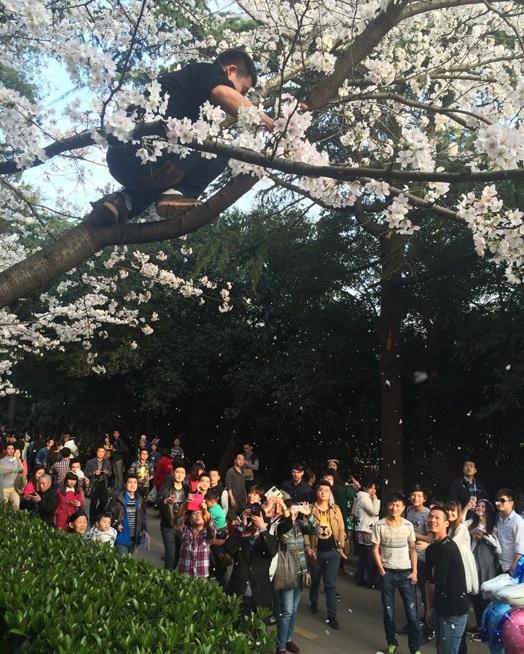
x=287, y=570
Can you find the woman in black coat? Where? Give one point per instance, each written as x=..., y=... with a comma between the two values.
x=252, y=550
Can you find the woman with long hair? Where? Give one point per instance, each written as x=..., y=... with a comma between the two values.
x=486, y=548
x=459, y=533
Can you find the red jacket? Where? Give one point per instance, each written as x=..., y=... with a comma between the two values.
x=164, y=467
x=66, y=507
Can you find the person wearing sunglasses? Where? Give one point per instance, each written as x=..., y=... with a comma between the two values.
x=509, y=530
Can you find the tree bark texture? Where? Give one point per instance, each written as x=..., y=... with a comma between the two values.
x=80, y=243
x=392, y=259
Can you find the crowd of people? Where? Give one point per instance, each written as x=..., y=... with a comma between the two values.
x=267, y=543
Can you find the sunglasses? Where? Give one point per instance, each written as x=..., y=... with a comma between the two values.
x=502, y=500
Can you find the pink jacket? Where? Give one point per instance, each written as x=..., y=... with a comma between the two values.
x=66, y=507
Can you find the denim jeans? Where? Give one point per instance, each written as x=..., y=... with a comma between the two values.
x=145, y=182
x=126, y=550
x=118, y=474
x=98, y=501
x=449, y=631
x=325, y=567
x=169, y=536
x=288, y=601
x=390, y=581
x=366, y=568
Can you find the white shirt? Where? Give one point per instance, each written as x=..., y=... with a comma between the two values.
x=510, y=532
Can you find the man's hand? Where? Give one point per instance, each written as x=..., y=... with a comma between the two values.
x=413, y=578
x=36, y=498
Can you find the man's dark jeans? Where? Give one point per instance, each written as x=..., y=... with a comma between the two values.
x=390, y=581
x=145, y=182
x=171, y=547
x=326, y=567
x=98, y=503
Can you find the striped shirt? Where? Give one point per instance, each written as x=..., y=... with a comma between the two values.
x=131, y=516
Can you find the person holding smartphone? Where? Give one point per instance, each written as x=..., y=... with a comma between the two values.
x=171, y=501
x=296, y=522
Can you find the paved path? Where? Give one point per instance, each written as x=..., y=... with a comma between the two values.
x=359, y=614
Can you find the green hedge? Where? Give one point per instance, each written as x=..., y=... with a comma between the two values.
x=59, y=595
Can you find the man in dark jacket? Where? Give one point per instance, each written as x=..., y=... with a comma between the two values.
x=297, y=489
x=119, y=455
x=170, y=501
x=98, y=471
x=175, y=182
x=45, y=501
x=128, y=509
x=467, y=488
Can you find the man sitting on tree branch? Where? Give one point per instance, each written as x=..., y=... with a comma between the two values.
x=172, y=182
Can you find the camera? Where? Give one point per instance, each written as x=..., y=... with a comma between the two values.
x=255, y=508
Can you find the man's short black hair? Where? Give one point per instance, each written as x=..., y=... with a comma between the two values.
x=212, y=495
x=241, y=60
x=417, y=488
x=508, y=492
x=66, y=452
x=297, y=466
x=395, y=497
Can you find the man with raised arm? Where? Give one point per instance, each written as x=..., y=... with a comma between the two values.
x=172, y=182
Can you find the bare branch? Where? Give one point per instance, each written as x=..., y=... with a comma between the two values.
x=126, y=63
x=426, y=106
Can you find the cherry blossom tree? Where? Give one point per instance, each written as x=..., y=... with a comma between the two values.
x=407, y=101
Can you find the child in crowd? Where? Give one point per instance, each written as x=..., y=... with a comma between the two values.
x=70, y=500
x=102, y=532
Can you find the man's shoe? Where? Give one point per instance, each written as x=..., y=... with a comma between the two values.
x=110, y=210
x=333, y=623
x=392, y=649
x=477, y=637
x=279, y=650
x=172, y=203
x=313, y=607
x=292, y=647
x=427, y=634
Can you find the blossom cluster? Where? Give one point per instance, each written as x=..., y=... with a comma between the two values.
x=496, y=230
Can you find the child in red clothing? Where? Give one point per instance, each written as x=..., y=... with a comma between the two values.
x=70, y=499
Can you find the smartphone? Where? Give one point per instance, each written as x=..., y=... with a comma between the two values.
x=296, y=508
x=273, y=492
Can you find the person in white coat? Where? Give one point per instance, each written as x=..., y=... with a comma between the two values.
x=366, y=510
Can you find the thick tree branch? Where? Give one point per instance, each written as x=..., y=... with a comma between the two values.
x=80, y=243
x=364, y=43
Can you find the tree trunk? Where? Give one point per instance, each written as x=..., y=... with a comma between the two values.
x=11, y=411
x=392, y=259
